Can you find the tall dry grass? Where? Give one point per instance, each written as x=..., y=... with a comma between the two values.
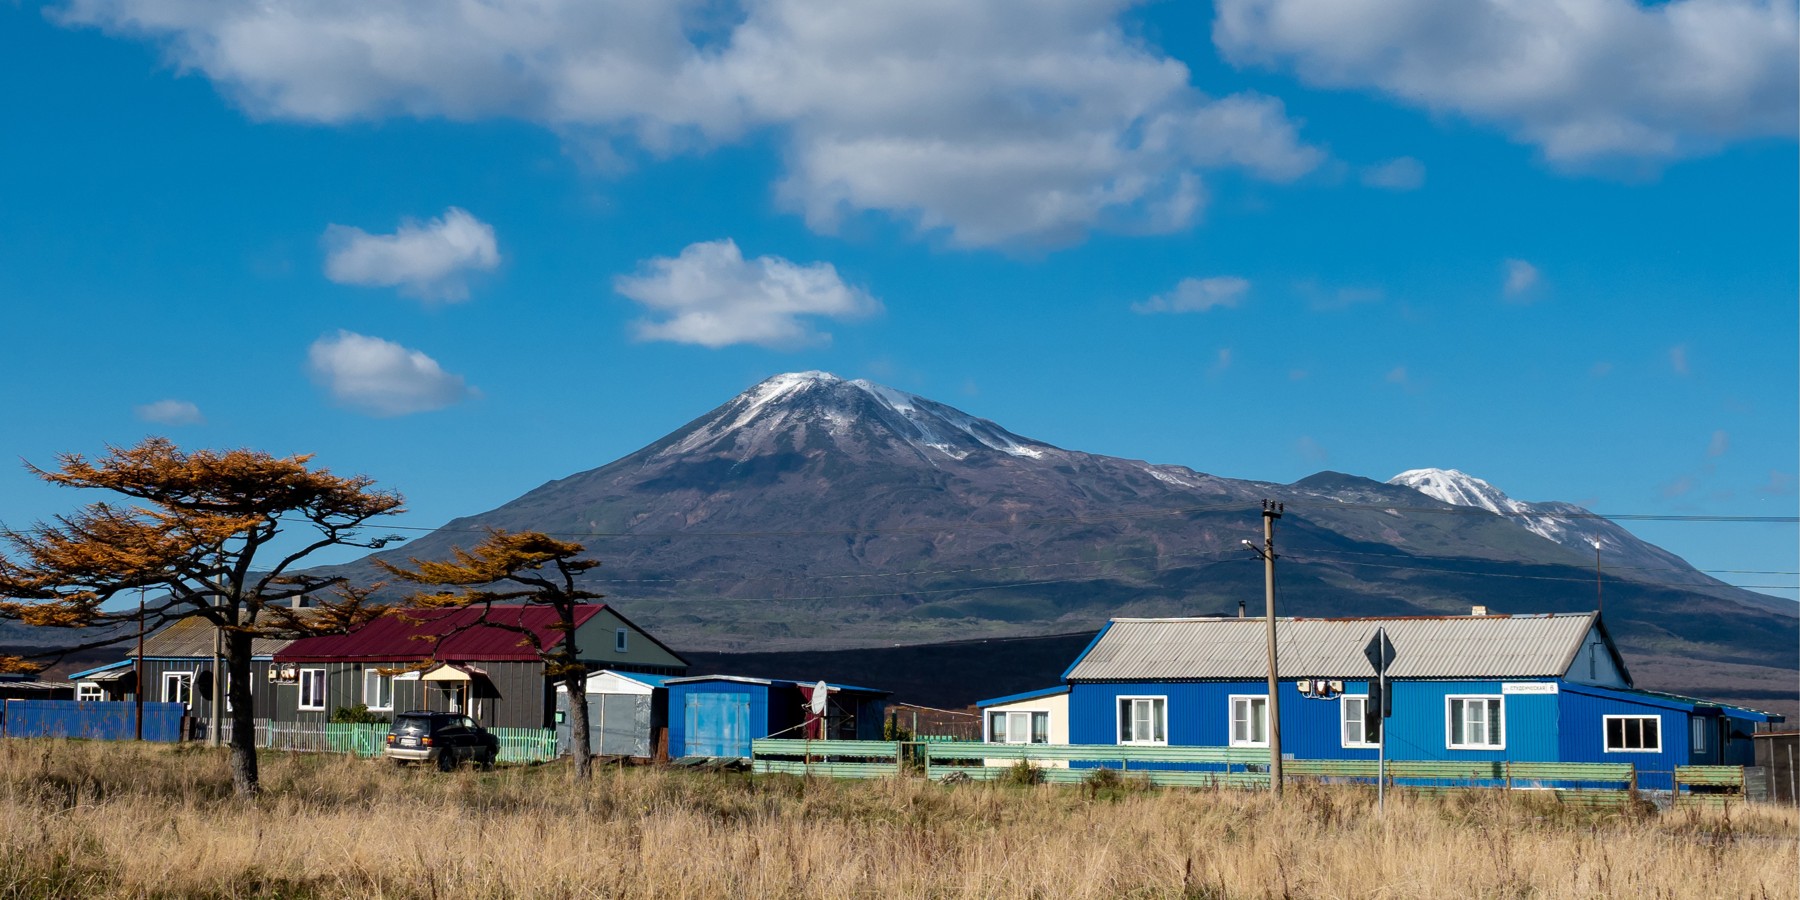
x=121, y=820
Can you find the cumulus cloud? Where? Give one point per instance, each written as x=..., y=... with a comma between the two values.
x=1583, y=80
x=1400, y=174
x=1720, y=443
x=1678, y=359
x=1521, y=277
x=1197, y=295
x=170, y=412
x=712, y=296
x=429, y=260
x=381, y=378
x=991, y=122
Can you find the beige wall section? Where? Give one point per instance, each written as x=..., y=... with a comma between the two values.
x=1057, y=705
x=596, y=640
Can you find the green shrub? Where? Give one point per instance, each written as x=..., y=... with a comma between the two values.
x=358, y=715
x=1023, y=774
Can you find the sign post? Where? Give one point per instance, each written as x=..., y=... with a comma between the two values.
x=1380, y=652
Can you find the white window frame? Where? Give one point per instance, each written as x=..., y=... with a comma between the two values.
x=319, y=701
x=187, y=677
x=379, y=680
x=1487, y=726
x=621, y=640
x=89, y=692
x=1606, y=734
x=1119, y=715
x=1232, y=719
x=1362, y=721
x=1015, y=734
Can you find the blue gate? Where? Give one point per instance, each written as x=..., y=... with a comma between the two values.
x=717, y=725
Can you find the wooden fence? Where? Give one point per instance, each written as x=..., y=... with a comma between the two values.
x=1207, y=767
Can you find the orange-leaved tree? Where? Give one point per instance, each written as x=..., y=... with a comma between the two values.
x=527, y=567
x=217, y=534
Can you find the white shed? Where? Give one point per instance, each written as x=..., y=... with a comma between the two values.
x=625, y=710
x=1033, y=717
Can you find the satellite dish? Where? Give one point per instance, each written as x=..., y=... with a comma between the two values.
x=819, y=693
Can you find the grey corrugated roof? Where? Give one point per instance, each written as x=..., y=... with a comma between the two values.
x=1539, y=646
x=193, y=637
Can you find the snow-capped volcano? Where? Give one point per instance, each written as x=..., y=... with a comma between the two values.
x=802, y=408
x=1564, y=523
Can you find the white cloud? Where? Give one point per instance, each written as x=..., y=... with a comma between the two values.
x=1678, y=359
x=170, y=412
x=1197, y=295
x=1221, y=361
x=1397, y=375
x=382, y=378
x=1400, y=174
x=1720, y=443
x=430, y=260
x=712, y=296
x=1521, y=277
x=993, y=122
x=1581, y=79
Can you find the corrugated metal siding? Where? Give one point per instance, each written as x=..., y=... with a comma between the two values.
x=513, y=695
x=679, y=693
x=1584, y=736
x=1200, y=715
x=1418, y=727
x=1427, y=647
x=94, y=720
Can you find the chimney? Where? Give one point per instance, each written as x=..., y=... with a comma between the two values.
x=1240, y=609
x=1478, y=611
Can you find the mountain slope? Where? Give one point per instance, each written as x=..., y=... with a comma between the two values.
x=815, y=512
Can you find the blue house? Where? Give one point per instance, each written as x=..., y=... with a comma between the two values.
x=719, y=715
x=1523, y=688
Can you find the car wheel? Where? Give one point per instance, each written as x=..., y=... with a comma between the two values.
x=446, y=761
x=485, y=761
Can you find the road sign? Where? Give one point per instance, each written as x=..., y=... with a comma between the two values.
x=1380, y=651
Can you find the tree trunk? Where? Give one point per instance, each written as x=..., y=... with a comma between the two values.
x=574, y=679
x=243, y=714
x=575, y=682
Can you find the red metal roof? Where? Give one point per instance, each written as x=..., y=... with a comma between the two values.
x=405, y=635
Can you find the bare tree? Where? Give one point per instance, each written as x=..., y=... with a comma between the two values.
x=220, y=534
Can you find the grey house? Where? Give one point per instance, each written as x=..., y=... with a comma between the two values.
x=449, y=660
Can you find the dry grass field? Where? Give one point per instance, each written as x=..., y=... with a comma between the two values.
x=119, y=820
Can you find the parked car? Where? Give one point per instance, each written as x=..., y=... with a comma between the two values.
x=442, y=739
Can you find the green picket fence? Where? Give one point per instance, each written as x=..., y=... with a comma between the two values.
x=517, y=745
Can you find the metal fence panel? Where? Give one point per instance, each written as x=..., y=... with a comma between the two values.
x=100, y=720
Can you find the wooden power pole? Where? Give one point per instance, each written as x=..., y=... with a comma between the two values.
x=1271, y=512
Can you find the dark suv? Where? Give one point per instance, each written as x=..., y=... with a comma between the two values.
x=440, y=738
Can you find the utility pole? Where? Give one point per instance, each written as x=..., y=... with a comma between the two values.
x=1270, y=512
x=137, y=673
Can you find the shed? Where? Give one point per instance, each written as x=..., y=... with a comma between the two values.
x=626, y=710
x=719, y=715
x=22, y=687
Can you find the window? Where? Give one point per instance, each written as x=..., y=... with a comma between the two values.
x=89, y=691
x=620, y=639
x=1633, y=734
x=1250, y=720
x=312, y=688
x=1357, y=730
x=1143, y=720
x=1475, y=723
x=1018, y=727
x=378, y=690
x=178, y=687
x=1698, y=726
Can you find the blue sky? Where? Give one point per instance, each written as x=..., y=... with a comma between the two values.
x=469, y=248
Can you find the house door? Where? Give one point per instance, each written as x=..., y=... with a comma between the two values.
x=717, y=725
x=452, y=696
